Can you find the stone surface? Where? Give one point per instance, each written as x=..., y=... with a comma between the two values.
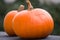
x=4, y=36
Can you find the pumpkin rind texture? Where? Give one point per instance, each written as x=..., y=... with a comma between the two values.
x=35, y=23
x=8, y=23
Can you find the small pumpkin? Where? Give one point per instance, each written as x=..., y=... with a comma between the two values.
x=8, y=20
x=33, y=23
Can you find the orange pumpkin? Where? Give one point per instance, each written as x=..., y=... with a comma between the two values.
x=8, y=21
x=33, y=23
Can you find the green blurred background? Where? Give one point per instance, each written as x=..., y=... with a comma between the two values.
x=52, y=7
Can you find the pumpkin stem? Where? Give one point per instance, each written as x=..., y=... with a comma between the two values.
x=29, y=5
x=21, y=7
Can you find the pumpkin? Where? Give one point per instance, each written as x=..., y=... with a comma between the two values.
x=33, y=23
x=8, y=21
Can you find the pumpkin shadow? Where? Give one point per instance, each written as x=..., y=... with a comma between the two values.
x=31, y=38
x=7, y=36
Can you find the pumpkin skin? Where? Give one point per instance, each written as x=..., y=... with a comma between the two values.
x=8, y=22
x=35, y=23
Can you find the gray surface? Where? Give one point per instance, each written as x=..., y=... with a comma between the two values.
x=4, y=36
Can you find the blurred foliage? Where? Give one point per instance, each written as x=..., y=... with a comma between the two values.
x=54, y=10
